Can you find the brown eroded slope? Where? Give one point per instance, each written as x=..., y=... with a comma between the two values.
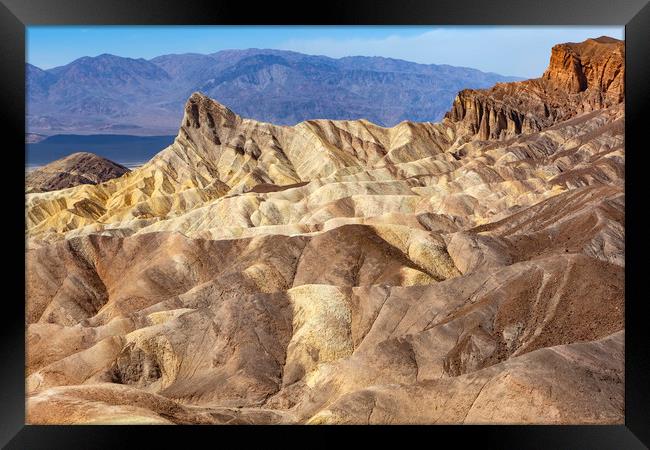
x=341, y=272
x=73, y=170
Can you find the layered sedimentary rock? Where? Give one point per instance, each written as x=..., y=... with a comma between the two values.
x=596, y=64
x=341, y=272
x=73, y=170
x=581, y=77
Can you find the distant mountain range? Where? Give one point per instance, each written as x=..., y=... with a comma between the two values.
x=113, y=94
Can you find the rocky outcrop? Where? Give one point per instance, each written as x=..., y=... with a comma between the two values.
x=73, y=170
x=595, y=64
x=484, y=116
x=341, y=272
x=581, y=77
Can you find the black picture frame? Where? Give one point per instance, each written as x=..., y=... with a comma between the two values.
x=633, y=14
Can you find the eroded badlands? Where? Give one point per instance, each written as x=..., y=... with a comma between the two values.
x=467, y=271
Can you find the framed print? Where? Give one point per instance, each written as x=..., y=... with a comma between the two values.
x=409, y=217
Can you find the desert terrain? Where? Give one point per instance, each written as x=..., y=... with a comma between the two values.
x=339, y=272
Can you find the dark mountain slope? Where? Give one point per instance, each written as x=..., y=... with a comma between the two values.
x=73, y=170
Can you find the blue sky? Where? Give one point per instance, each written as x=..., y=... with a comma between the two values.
x=515, y=50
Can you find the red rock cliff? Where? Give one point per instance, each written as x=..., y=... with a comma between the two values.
x=580, y=77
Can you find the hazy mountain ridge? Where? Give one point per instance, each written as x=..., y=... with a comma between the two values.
x=96, y=94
